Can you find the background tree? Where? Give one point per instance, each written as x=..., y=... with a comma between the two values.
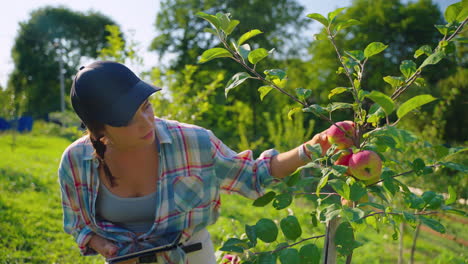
x=50, y=35
x=182, y=34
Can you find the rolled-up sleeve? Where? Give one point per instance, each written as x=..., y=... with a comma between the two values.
x=240, y=172
x=73, y=223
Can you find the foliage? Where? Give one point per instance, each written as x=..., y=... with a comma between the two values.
x=117, y=50
x=376, y=116
x=52, y=34
x=182, y=34
x=31, y=214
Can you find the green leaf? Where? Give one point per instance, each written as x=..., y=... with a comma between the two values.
x=210, y=18
x=319, y=18
x=264, y=90
x=250, y=232
x=246, y=36
x=414, y=103
x=432, y=223
x=376, y=205
x=340, y=187
x=265, y=199
x=357, y=191
x=375, y=114
x=332, y=212
x=282, y=201
x=266, y=230
x=464, y=12
x=374, y=48
x=316, y=110
x=223, y=20
x=383, y=100
x=332, y=15
x=432, y=199
x=452, y=196
x=344, y=239
x=362, y=94
x=410, y=218
x=235, y=81
x=303, y=94
x=291, y=227
x=357, y=55
x=275, y=74
x=214, y=53
x=266, y=258
x=433, y=59
x=293, y=179
x=336, y=106
x=455, y=166
x=293, y=111
x=244, y=51
x=442, y=29
x=394, y=81
x=352, y=214
x=346, y=24
x=426, y=49
x=407, y=67
x=289, y=256
x=310, y=254
x=210, y=30
x=414, y=201
x=452, y=12
x=418, y=165
x=389, y=184
x=257, y=55
x=234, y=245
x=315, y=149
x=232, y=25
x=336, y=91
x=323, y=181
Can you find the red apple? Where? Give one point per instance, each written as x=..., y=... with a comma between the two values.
x=344, y=157
x=365, y=165
x=338, y=137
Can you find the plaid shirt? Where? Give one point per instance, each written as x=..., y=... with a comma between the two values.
x=194, y=166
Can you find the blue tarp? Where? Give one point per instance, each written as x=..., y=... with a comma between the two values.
x=4, y=125
x=24, y=124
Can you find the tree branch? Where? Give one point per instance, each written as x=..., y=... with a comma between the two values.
x=281, y=248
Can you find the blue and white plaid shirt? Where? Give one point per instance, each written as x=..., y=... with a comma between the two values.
x=194, y=164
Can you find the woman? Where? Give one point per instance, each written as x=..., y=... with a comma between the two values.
x=136, y=181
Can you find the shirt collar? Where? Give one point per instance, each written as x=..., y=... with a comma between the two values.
x=162, y=132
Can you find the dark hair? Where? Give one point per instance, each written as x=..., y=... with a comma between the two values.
x=94, y=130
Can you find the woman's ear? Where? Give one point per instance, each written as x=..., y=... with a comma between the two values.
x=104, y=140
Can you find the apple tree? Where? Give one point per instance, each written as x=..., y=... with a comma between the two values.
x=359, y=179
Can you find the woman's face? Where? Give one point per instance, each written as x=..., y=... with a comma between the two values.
x=138, y=133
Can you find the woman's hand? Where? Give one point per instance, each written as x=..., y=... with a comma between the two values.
x=320, y=138
x=103, y=246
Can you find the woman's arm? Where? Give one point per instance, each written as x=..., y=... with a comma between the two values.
x=286, y=163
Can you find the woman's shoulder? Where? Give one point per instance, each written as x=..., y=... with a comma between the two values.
x=81, y=147
x=174, y=126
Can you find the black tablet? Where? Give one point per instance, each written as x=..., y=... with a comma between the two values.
x=146, y=252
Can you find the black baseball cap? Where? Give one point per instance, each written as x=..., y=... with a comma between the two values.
x=108, y=92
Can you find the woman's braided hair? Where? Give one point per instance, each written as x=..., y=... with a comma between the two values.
x=94, y=130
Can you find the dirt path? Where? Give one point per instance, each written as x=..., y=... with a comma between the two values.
x=446, y=236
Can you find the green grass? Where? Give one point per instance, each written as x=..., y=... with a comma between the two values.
x=31, y=217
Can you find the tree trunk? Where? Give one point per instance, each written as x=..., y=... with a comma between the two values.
x=329, y=249
x=400, y=256
x=415, y=238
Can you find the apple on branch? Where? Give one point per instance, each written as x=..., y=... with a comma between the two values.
x=342, y=139
x=365, y=165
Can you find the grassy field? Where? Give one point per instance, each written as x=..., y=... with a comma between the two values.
x=31, y=218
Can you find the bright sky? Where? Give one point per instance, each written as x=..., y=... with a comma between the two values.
x=137, y=15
